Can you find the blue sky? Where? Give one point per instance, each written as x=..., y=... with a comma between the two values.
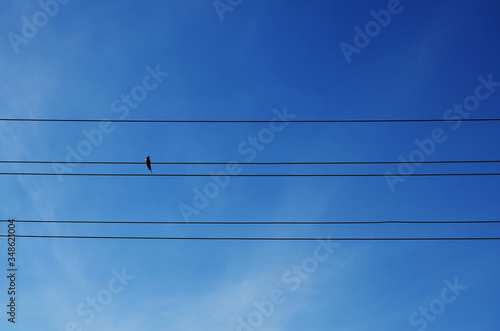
x=250, y=62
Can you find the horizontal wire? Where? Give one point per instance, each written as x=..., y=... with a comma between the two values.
x=257, y=222
x=243, y=121
x=242, y=175
x=253, y=238
x=248, y=163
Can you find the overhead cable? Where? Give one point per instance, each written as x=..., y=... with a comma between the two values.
x=259, y=238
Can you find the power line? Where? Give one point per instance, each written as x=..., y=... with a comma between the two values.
x=256, y=238
x=256, y=222
x=248, y=163
x=243, y=121
x=241, y=175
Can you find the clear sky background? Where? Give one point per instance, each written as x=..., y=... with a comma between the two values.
x=244, y=63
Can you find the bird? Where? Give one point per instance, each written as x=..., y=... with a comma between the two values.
x=148, y=163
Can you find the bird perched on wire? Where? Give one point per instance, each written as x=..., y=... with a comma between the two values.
x=148, y=163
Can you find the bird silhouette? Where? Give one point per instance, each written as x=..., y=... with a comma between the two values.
x=148, y=163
